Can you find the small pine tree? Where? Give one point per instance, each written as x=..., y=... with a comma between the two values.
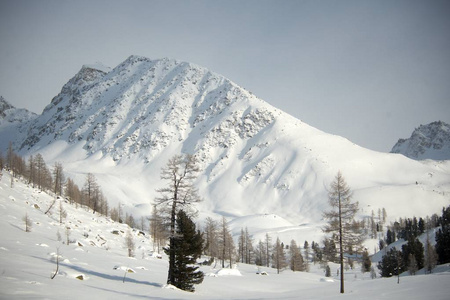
x=415, y=248
x=327, y=271
x=391, y=264
x=188, y=246
x=366, y=263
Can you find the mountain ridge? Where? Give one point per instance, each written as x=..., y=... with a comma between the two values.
x=125, y=124
x=10, y=115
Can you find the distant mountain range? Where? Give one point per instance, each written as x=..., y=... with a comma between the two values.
x=124, y=124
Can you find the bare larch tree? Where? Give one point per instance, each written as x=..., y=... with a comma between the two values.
x=180, y=193
x=341, y=220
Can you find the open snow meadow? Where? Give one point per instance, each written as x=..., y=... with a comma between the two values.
x=95, y=263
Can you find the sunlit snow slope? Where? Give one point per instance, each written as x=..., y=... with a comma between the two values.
x=124, y=124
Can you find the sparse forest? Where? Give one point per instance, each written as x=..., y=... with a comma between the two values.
x=215, y=240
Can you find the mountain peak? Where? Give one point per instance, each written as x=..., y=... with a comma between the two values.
x=142, y=106
x=430, y=141
x=4, y=106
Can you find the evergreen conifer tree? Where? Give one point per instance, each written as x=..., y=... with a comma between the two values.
x=187, y=247
x=391, y=264
x=366, y=263
x=443, y=238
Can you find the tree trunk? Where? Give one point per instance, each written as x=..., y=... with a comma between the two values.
x=170, y=276
x=341, y=250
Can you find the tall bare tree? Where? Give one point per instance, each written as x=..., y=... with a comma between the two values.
x=58, y=178
x=180, y=193
x=341, y=220
x=41, y=170
x=129, y=243
x=245, y=246
x=226, y=244
x=279, y=256
x=158, y=231
x=211, y=238
x=91, y=192
x=267, y=242
x=296, y=259
x=73, y=192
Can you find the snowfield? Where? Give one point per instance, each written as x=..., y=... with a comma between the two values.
x=95, y=264
x=123, y=125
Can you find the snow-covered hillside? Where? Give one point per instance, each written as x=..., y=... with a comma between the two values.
x=124, y=125
x=431, y=141
x=95, y=262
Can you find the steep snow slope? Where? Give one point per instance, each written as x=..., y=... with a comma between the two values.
x=97, y=254
x=124, y=125
x=431, y=141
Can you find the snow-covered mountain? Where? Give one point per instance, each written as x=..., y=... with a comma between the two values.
x=124, y=124
x=11, y=115
x=431, y=141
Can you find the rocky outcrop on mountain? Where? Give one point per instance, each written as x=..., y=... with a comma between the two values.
x=431, y=141
x=10, y=115
x=143, y=105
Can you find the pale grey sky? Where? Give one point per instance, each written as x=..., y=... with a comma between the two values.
x=370, y=71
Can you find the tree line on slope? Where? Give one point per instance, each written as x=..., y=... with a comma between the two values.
x=414, y=255
x=37, y=174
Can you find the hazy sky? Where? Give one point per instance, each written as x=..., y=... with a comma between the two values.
x=370, y=71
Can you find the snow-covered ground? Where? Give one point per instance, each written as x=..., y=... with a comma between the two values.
x=99, y=257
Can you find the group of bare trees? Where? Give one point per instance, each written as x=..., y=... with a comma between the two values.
x=219, y=243
x=37, y=174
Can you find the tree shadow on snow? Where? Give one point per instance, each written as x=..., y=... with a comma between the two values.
x=119, y=292
x=102, y=275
